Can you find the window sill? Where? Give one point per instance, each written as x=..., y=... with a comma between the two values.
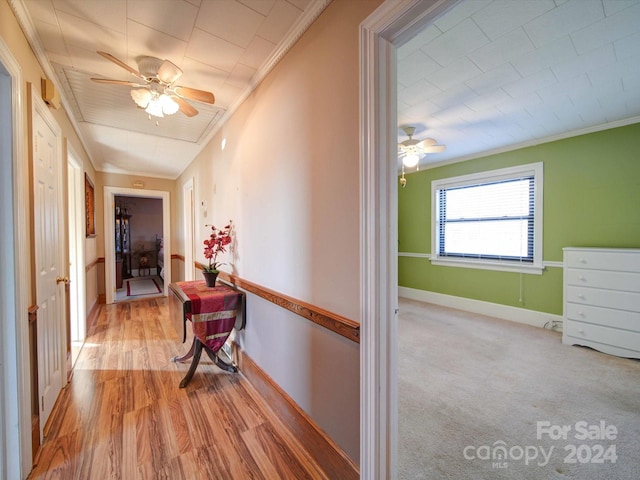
x=489, y=265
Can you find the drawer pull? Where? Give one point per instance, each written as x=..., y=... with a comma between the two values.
x=582, y=260
x=581, y=314
x=581, y=296
x=583, y=279
x=581, y=332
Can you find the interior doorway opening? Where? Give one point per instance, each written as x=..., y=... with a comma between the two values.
x=138, y=237
x=15, y=387
x=116, y=212
x=390, y=25
x=6, y=248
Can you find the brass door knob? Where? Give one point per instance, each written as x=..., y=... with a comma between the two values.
x=62, y=280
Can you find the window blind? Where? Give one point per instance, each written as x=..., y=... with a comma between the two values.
x=492, y=220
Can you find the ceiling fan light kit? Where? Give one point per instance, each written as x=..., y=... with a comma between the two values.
x=158, y=95
x=410, y=160
x=412, y=150
x=154, y=103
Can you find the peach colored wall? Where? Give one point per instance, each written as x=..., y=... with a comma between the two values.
x=289, y=179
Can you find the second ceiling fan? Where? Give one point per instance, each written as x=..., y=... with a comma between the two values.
x=155, y=90
x=411, y=150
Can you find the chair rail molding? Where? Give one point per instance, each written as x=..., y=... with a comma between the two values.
x=331, y=321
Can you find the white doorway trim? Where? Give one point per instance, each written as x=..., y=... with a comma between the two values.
x=77, y=273
x=390, y=25
x=15, y=388
x=189, y=222
x=109, y=237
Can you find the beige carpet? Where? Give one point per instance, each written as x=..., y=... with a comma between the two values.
x=469, y=383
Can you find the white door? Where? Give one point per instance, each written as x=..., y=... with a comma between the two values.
x=50, y=274
x=76, y=218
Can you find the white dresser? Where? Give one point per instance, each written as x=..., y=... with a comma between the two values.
x=602, y=300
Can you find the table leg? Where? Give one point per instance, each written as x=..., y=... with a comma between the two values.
x=194, y=363
x=184, y=326
x=227, y=367
x=187, y=355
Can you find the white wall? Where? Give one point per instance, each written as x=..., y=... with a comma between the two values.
x=288, y=178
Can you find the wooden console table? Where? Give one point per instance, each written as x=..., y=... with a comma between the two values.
x=214, y=312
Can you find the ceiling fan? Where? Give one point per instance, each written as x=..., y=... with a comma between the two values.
x=411, y=150
x=155, y=90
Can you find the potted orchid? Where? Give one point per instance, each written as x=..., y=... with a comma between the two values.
x=215, y=244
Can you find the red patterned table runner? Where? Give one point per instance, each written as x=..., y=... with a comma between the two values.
x=213, y=311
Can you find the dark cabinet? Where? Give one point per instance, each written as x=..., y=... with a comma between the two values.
x=123, y=248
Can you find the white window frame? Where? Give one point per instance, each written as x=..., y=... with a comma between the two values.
x=532, y=169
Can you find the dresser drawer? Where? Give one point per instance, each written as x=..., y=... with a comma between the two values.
x=603, y=316
x=618, y=260
x=625, y=281
x=605, y=335
x=603, y=298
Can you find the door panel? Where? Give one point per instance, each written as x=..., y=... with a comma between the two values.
x=48, y=263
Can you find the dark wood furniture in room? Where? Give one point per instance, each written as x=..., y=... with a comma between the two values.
x=160, y=257
x=123, y=247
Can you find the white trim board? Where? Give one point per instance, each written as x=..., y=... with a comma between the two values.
x=545, y=263
x=15, y=387
x=504, y=312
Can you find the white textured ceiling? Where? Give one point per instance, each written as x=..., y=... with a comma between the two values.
x=491, y=75
x=223, y=46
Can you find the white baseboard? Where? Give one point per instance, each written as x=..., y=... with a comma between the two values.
x=504, y=312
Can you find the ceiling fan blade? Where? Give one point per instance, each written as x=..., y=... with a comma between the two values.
x=169, y=72
x=120, y=63
x=184, y=106
x=435, y=148
x=117, y=82
x=195, y=94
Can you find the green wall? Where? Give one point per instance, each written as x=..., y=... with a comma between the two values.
x=591, y=199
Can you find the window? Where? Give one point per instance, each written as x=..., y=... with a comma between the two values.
x=490, y=220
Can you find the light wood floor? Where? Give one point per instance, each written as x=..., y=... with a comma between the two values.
x=123, y=416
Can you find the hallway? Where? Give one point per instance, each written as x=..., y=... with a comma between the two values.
x=123, y=416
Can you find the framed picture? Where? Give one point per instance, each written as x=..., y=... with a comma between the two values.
x=90, y=206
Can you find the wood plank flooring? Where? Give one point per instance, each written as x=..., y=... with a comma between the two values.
x=122, y=416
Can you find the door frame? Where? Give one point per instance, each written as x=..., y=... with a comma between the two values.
x=109, y=239
x=390, y=25
x=77, y=272
x=15, y=388
x=188, y=198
